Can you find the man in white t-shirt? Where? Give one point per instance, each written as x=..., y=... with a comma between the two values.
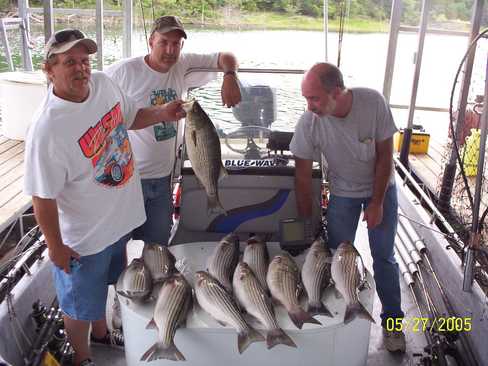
x=86, y=193
x=353, y=129
x=154, y=79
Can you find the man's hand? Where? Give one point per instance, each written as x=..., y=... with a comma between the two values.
x=61, y=257
x=173, y=111
x=231, y=94
x=373, y=214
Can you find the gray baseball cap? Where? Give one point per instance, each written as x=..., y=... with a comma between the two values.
x=65, y=39
x=167, y=24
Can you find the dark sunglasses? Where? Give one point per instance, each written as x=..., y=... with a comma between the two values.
x=68, y=34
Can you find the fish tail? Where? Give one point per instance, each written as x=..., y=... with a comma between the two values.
x=300, y=316
x=158, y=351
x=278, y=336
x=357, y=310
x=214, y=206
x=318, y=308
x=246, y=337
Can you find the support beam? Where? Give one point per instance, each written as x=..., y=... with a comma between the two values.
x=48, y=19
x=407, y=133
x=127, y=29
x=99, y=33
x=395, y=18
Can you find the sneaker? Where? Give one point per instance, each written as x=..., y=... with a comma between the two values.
x=87, y=362
x=116, y=316
x=114, y=339
x=394, y=341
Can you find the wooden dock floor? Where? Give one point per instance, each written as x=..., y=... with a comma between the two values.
x=13, y=202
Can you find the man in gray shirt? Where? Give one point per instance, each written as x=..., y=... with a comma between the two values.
x=353, y=129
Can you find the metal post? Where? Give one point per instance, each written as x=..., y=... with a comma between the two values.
x=450, y=169
x=395, y=18
x=407, y=133
x=127, y=44
x=24, y=35
x=26, y=54
x=3, y=35
x=99, y=32
x=48, y=19
x=326, y=28
x=468, y=269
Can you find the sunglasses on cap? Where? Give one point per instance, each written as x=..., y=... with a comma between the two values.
x=67, y=35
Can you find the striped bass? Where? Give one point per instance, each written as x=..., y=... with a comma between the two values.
x=216, y=301
x=251, y=296
x=223, y=261
x=171, y=308
x=316, y=276
x=159, y=260
x=203, y=149
x=348, y=274
x=257, y=257
x=135, y=281
x=283, y=280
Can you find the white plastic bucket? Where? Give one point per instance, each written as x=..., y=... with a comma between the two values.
x=21, y=93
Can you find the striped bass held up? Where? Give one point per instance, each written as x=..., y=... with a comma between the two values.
x=316, y=276
x=203, y=149
x=348, y=274
x=174, y=301
x=135, y=281
x=216, y=301
x=252, y=297
x=223, y=261
x=283, y=280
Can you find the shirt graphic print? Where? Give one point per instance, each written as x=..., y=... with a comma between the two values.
x=107, y=145
x=163, y=131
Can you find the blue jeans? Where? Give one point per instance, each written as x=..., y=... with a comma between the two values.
x=343, y=217
x=158, y=203
x=82, y=294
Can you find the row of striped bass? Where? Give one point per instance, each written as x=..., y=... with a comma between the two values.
x=257, y=257
x=316, y=276
x=252, y=297
x=174, y=301
x=223, y=261
x=218, y=302
x=349, y=275
x=156, y=264
x=203, y=149
x=283, y=279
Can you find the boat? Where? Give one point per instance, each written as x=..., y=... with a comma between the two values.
x=446, y=313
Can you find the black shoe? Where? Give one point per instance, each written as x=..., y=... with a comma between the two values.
x=114, y=339
x=87, y=362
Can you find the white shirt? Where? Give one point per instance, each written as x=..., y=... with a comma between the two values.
x=154, y=147
x=348, y=144
x=79, y=154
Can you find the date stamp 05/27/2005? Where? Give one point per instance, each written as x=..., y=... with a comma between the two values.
x=420, y=324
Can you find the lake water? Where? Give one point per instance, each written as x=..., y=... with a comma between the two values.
x=362, y=62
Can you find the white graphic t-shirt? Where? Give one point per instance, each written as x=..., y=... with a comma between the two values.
x=80, y=155
x=154, y=147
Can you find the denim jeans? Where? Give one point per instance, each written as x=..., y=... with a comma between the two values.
x=158, y=203
x=343, y=217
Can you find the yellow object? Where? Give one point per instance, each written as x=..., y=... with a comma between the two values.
x=471, y=152
x=419, y=143
x=49, y=360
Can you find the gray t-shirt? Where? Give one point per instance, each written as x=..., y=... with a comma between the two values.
x=348, y=144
